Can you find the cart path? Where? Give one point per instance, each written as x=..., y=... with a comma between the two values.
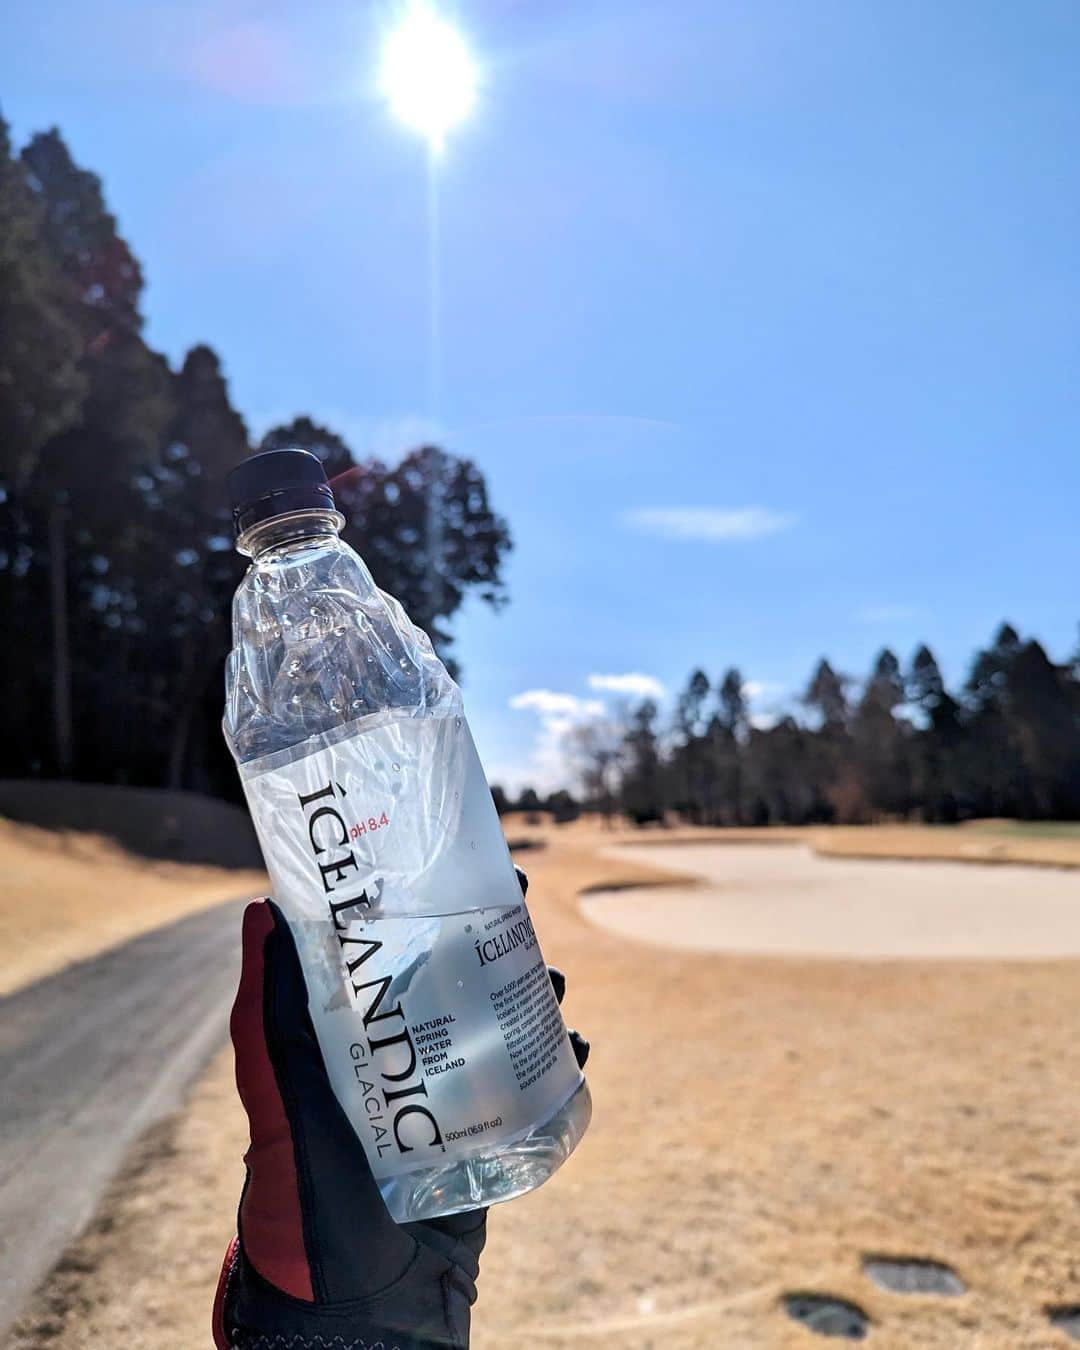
x=89, y=1058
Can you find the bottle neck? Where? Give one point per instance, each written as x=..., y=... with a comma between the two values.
x=279, y=532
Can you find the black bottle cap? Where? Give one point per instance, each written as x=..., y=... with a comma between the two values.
x=275, y=483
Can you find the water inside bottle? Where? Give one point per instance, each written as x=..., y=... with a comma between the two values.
x=335, y=699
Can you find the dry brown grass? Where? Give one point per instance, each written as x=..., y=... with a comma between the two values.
x=67, y=896
x=760, y=1125
x=985, y=841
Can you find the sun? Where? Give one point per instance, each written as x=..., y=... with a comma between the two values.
x=427, y=74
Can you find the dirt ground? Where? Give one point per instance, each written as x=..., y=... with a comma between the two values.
x=68, y=896
x=761, y=1125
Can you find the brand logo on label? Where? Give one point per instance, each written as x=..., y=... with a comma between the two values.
x=391, y=1054
x=329, y=837
x=520, y=934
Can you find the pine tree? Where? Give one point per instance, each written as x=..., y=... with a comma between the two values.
x=41, y=387
x=1045, y=731
x=197, y=568
x=41, y=396
x=880, y=740
x=781, y=785
x=103, y=277
x=689, y=715
x=826, y=695
x=939, y=744
x=84, y=477
x=836, y=786
x=642, y=787
x=691, y=768
x=993, y=767
x=733, y=710
x=425, y=528
x=727, y=732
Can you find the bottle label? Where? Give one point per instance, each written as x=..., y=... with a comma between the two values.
x=429, y=994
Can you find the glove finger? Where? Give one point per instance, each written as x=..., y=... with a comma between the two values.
x=270, y=1209
x=580, y=1047
x=457, y=1226
x=558, y=982
x=459, y=1238
x=312, y=1221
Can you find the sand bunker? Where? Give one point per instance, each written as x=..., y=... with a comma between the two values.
x=787, y=901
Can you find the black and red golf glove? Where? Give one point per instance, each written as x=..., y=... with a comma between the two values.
x=317, y=1261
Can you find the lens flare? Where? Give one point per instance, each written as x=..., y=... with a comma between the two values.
x=428, y=75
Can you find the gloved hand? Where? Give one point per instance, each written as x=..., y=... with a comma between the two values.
x=318, y=1261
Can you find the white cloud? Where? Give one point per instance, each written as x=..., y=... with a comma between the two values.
x=710, y=523
x=550, y=704
x=764, y=721
x=765, y=698
x=633, y=684
x=889, y=613
x=753, y=690
x=559, y=713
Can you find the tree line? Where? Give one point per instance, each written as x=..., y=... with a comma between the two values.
x=116, y=554
x=897, y=746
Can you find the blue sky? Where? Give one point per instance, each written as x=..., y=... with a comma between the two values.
x=762, y=318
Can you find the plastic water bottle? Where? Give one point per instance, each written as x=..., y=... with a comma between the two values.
x=427, y=989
